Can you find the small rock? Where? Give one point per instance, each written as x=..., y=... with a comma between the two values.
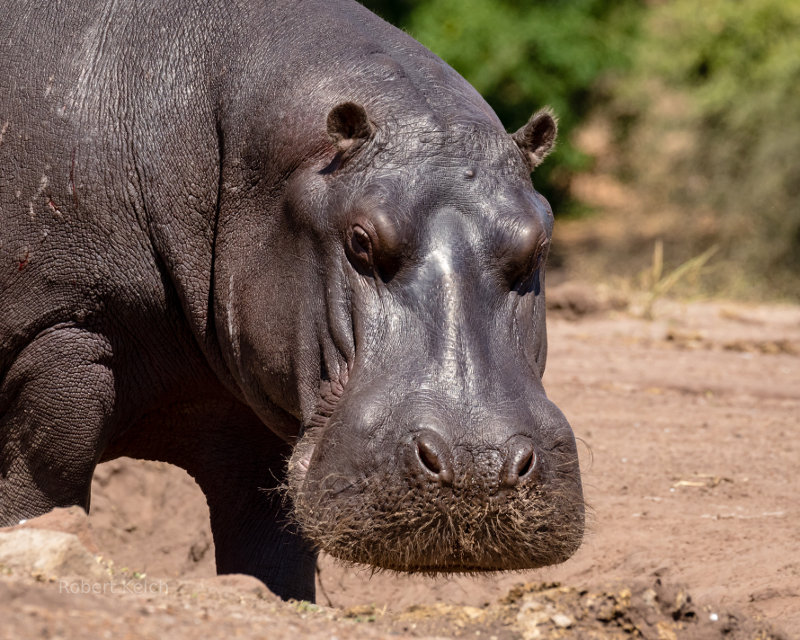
x=49, y=554
x=473, y=613
x=528, y=604
x=530, y=618
x=562, y=620
x=67, y=520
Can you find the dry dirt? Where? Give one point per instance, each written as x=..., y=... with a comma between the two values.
x=690, y=451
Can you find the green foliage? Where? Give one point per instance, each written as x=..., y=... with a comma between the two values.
x=716, y=99
x=522, y=55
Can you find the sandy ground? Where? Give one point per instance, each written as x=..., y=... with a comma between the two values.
x=689, y=428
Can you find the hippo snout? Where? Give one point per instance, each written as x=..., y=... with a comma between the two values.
x=513, y=464
x=449, y=496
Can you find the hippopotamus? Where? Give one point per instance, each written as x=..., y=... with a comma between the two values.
x=285, y=247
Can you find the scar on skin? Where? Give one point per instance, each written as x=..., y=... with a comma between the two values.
x=24, y=260
x=56, y=210
x=4, y=129
x=43, y=182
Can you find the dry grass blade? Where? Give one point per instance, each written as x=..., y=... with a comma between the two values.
x=662, y=284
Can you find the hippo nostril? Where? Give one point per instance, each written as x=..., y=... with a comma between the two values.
x=520, y=462
x=434, y=456
x=525, y=464
x=428, y=457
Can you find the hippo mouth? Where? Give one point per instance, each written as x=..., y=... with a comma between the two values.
x=397, y=525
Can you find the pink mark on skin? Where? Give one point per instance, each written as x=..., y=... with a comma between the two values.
x=25, y=260
x=56, y=210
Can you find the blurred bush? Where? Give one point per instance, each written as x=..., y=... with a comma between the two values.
x=522, y=55
x=710, y=124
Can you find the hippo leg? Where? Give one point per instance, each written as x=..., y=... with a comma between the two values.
x=250, y=519
x=253, y=535
x=56, y=401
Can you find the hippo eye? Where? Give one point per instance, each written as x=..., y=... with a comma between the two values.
x=360, y=248
x=360, y=242
x=374, y=246
x=523, y=273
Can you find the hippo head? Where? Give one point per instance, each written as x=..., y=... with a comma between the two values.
x=398, y=314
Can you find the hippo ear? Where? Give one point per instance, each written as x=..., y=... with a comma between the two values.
x=538, y=137
x=349, y=127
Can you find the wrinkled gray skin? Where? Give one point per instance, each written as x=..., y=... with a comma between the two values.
x=231, y=231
